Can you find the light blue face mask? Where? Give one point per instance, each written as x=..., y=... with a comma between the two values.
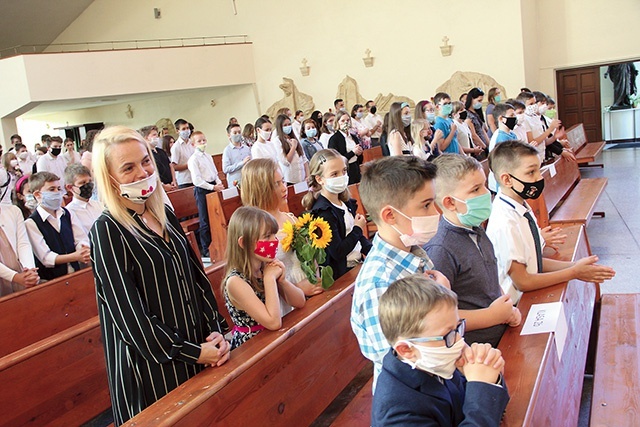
x=446, y=110
x=478, y=210
x=287, y=129
x=311, y=133
x=477, y=105
x=431, y=117
x=51, y=200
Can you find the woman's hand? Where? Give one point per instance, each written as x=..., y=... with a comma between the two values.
x=215, y=351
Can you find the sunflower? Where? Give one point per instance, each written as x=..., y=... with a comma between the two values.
x=304, y=220
x=287, y=241
x=320, y=233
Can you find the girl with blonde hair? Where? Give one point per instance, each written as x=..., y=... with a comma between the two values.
x=157, y=311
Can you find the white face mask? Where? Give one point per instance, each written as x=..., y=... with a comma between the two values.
x=266, y=135
x=138, y=192
x=30, y=201
x=542, y=109
x=23, y=156
x=424, y=228
x=532, y=109
x=440, y=361
x=185, y=134
x=336, y=185
x=520, y=118
x=155, y=142
x=13, y=163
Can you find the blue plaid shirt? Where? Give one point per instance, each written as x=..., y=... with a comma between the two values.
x=384, y=265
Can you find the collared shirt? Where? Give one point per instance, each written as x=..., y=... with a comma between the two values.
x=12, y=224
x=264, y=150
x=233, y=161
x=444, y=126
x=69, y=158
x=371, y=121
x=384, y=265
x=497, y=138
x=40, y=247
x=466, y=257
x=203, y=170
x=324, y=139
x=534, y=125
x=84, y=214
x=180, y=154
x=512, y=240
x=26, y=166
x=55, y=165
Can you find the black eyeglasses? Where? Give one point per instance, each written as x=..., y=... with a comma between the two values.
x=449, y=338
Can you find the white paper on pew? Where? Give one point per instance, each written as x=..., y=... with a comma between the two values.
x=552, y=170
x=229, y=192
x=562, y=329
x=300, y=187
x=543, y=169
x=542, y=318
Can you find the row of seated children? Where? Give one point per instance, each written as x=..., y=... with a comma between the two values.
x=487, y=274
x=52, y=240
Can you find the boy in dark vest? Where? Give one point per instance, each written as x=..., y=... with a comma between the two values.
x=59, y=246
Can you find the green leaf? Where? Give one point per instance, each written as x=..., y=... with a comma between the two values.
x=310, y=272
x=307, y=253
x=321, y=256
x=326, y=273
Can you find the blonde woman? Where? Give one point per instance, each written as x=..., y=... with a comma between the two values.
x=263, y=187
x=158, y=315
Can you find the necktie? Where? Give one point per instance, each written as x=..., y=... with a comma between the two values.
x=544, y=123
x=536, y=238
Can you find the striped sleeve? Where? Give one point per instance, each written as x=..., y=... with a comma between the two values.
x=123, y=303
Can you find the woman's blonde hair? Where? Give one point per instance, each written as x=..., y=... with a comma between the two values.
x=416, y=129
x=258, y=186
x=108, y=188
x=249, y=223
x=316, y=168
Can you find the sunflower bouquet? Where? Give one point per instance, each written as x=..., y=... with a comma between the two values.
x=308, y=238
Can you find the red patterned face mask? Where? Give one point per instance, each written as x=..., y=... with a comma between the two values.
x=266, y=248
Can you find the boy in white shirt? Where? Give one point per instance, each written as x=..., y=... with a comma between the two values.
x=25, y=159
x=205, y=178
x=374, y=122
x=235, y=155
x=515, y=234
x=84, y=211
x=17, y=267
x=181, y=152
x=58, y=244
x=53, y=162
x=537, y=135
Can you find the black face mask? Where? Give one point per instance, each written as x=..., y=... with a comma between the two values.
x=463, y=115
x=56, y=151
x=531, y=190
x=373, y=109
x=86, y=190
x=511, y=122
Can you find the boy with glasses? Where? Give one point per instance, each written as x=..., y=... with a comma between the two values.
x=445, y=135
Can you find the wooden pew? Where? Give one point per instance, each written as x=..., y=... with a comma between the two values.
x=217, y=161
x=567, y=199
x=37, y=313
x=215, y=274
x=295, y=194
x=543, y=389
x=616, y=382
x=372, y=228
x=220, y=211
x=585, y=151
x=185, y=208
x=60, y=380
x=282, y=378
x=358, y=412
x=371, y=154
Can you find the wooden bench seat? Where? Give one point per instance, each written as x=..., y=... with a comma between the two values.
x=60, y=380
x=220, y=211
x=579, y=206
x=185, y=208
x=358, y=412
x=295, y=194
x=371, y=154
x=314, y=350
x=37, y=313
x=616, y=382
x=585, y=151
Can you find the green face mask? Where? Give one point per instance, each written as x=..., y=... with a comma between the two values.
x=497, y=98
x=478, y=210
x=551, y=113
x=446, y=110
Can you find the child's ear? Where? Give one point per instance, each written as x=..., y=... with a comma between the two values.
x=405, y=351
x=505, y=179
x=68, y=188
x=449, y=203
x=388, y=215
x=241, y=242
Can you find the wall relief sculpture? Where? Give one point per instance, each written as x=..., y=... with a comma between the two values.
x=293, y=99
x=348, y=91
x=463, y=81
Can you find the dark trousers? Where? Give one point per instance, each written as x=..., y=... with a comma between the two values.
x=375, y=142
x=185, y=185
x=204, y=232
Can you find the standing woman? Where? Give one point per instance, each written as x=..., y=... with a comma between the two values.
x=327, y=129
x=495, y=97
x=399, y=141
x=359, y=127
x=475, y=119
x=295, y=166
x=158, y=316
x=343, y=142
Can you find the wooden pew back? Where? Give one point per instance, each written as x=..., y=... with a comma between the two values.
x=371, y=154
x=185, y=207
x=220, y=211
x=577, y=137
x=285, y=377
x=295, y=194
x=215, y=274
x=217, y=161
x=37, y=313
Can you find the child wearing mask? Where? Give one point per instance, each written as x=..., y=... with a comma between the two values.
x=255, y=279
x=462, y=251
x=84, y=211
x=17, y=267
x=431, y=377
x=181, y=152
x=328, y=198
x=204, y=176
x=465, y=138
x=60, y=246
x=235, y=155
x=398, y=193
x=446, y=131
x=165, y=171
x=506, y=120
x=52, y=161
x=264, y=148
x=399, y=141
x=24, y=200
x=310, y=142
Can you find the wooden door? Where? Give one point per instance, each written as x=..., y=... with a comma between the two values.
x=579, y=100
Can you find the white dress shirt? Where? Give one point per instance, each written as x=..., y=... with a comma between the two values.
x=203, y=170
x=181, y=151
x=371, y=121
x=84, y=214
x=324, y=139
x=233, y=161
x=512, y=240
x=264, y=150
x=534, y=125
x=12, y=224
x=26, y=166
x=71, y=157
x=292, y=171
x=40, y=247
x=55, y=165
